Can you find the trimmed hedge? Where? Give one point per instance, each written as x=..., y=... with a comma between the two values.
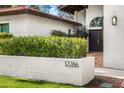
x=4, y=35
x=61, y=47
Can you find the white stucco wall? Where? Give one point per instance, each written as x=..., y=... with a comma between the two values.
x=85, y=16
x=43, y=26
x=91, y=12
x=49, y=69
x=26, y=24
x=114, y=37
x=18, y=23
x=79, y=16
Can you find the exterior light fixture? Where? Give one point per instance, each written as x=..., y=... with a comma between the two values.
x=114, y=20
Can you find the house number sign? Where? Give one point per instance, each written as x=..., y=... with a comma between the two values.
x=71, y=64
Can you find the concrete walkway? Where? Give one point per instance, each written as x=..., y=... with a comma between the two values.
x=110, y=73
x=98, y=58
x=105, y=77
x=108, y=78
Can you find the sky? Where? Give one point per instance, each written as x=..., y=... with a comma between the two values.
x=52, y=8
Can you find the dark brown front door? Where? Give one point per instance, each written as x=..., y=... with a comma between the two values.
x=95, y=40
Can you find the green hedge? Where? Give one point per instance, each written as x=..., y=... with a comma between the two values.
x=4, y=35
x=61, y=47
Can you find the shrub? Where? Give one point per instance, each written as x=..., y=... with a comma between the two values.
x=58, y=33
x=61, y=47
x=5, y=35
x=79, y=32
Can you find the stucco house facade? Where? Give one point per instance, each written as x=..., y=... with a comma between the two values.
x=90, y=16
x=103, y=35
x=23, y=21
x=108, y=35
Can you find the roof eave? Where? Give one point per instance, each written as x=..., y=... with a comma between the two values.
x=38, y=13
x=47, y=15
x=72, y=8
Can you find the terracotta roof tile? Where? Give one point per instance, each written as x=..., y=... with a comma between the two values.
x=28, y=10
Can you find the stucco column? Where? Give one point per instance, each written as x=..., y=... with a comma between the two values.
x=114, y=37
x=76, y=16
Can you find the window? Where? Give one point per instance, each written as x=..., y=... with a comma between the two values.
x=97, y=22
x=4, y=27
x=69, y=31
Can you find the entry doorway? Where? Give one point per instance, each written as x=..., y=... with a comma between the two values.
x=96, y=40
